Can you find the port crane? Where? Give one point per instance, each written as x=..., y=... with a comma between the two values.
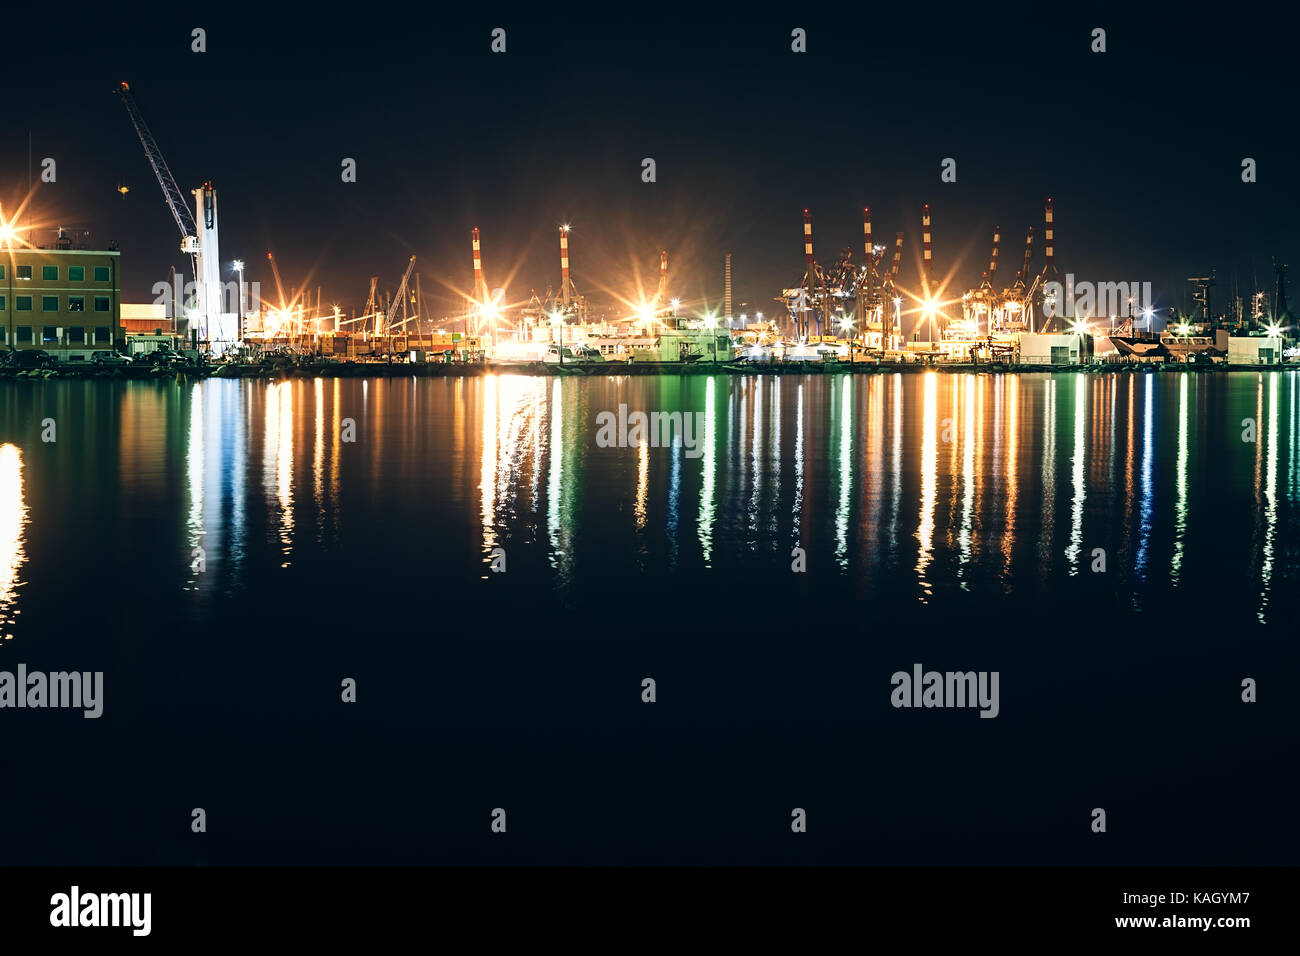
x=400, y=301
x=171, y=192
x=198, y=242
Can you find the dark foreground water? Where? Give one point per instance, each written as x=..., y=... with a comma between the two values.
x=949, y=520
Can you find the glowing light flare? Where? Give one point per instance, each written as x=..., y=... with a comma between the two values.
x=11, y=234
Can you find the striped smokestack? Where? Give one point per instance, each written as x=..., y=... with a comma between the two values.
x=1048, y=238
x=1029, y=255
x=866, y=233
x=926, y=255
x=565, y=285
x=993, y=260
x=898, y=255
x=726, y=290
x=807, y=242
x=661, y=295
x=480, y=287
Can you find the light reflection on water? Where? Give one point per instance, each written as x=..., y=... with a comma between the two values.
x=904, y=485
x=13, y=525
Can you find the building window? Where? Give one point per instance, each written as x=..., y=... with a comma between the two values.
x=76, y=303
x=76, y=336
x=75, y=274
x=4, y=334
x=2, y=272
x=49, y=303
x=49, y=334
x=24, y=334
x=50, y=273
x=101, y=273
x=3, y=304
x=24, y=272
x=101, y=303
x=101, y=335
x=22, y=303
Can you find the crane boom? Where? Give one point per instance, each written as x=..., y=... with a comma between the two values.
x=1029, y=254
x=400, y=298
x=175, y=198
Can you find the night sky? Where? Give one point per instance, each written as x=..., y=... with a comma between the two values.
x=1141, y=147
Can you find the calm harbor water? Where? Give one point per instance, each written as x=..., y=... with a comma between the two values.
x=226, y=556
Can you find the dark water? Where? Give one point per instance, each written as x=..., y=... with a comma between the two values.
x=950, y=520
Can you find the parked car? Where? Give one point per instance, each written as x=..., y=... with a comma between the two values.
x=28, y=358
x=163, y=356
x=109, y=358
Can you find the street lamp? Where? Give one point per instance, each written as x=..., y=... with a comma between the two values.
x=239, y=320
x=557, y=320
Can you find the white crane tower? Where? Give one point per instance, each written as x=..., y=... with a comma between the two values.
x=212, y=325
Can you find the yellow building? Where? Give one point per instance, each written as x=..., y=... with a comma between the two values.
x=66, y=301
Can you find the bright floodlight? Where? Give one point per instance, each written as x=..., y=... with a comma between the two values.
x=556, y=318
x=238, y=265
x=1183, y=328
x=565, y=227
x=490, y=310
x=7, y=232
x=676, y=303
x=1148, y=313
x=710, y=320
x=646, y=313
x=1274, y=331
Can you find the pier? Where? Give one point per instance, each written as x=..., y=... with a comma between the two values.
x=280, y=372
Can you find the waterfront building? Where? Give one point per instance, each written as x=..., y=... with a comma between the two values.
x=65, y=300
x=1255, y=349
